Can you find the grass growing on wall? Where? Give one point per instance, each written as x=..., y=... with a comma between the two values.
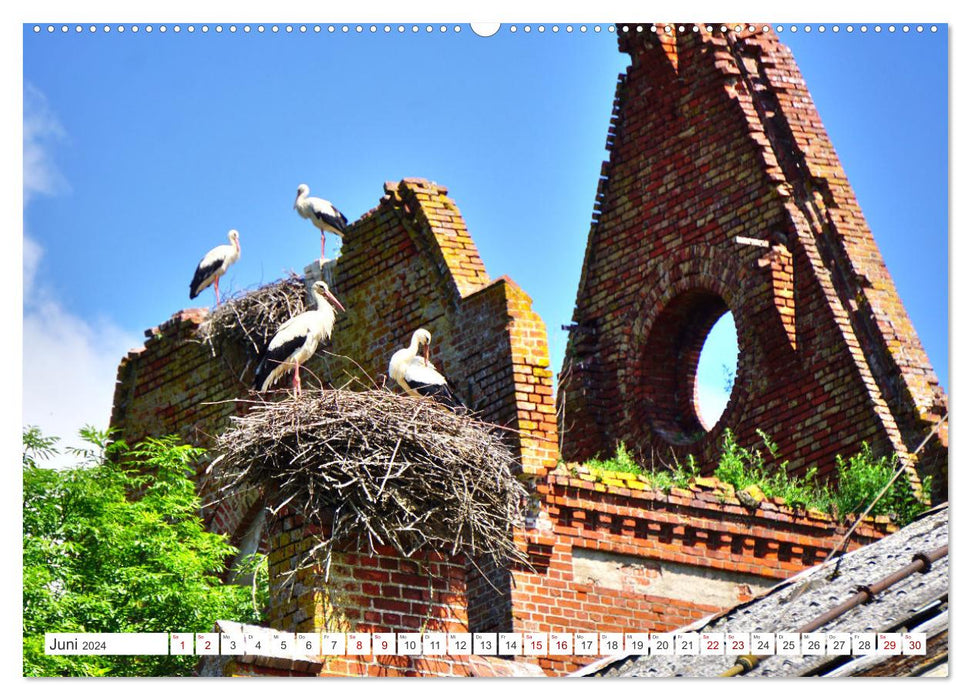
x=742, y=467
x=859, y=478
x=664, y=479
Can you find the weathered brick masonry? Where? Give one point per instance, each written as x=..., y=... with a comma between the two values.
x=411, y=263
x=408, y=263
x=356, y=591
x=622, y=557
x=714, y=137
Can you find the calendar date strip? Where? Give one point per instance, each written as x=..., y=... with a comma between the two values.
x=313, y=645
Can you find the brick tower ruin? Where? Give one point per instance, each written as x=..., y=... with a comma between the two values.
x=722, y=193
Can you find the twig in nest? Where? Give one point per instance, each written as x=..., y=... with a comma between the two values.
x=250, y=319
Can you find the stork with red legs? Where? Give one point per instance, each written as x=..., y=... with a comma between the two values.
x=214, y=265
x=296, y=341
x=322, y=214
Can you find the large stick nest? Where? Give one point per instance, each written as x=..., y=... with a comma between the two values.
x=249, y=320
x=393, y=470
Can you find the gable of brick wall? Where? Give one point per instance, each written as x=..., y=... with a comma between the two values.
x=715, y=138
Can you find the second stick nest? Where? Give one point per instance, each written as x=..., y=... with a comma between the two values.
x=251, y=319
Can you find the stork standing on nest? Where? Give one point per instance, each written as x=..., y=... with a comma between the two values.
x=297, y=340
x=322, y=214
x=214, y=265
x=417, y=375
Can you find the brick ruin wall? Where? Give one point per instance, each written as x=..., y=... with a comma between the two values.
x=174, y=385
x=714, y=139
x=605, y=553
x=622, y=557
x=608, y=554
x=357, y=591
x=411, y=263
x=408, y=263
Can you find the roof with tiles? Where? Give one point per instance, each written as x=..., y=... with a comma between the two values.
x=918, y=602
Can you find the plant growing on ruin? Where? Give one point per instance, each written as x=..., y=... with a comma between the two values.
x=622, y=461
x=863, y=476
x=664, y=479
x=860, y=478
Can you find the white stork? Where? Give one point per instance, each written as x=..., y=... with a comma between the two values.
x=321, y=213
x=417, y=375
x=214, y=265
x=297, y=340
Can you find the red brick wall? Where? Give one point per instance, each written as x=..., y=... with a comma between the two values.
x=364, y=591
x=408, y=263
x=688, y=146
x=490, y=597
x=705, y=527
x=714, y=137
x=174, y=385
x=411, y=263
x=379, y=591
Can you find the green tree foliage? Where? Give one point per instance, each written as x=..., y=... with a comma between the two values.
x=116, y=544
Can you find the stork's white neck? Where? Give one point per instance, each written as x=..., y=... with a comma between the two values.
x=415, y=344
x=301, y=203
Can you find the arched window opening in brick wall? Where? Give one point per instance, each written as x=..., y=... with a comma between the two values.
x=670, y=365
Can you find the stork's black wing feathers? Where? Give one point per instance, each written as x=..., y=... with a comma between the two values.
x=274, y=357
x=439, y=392
x=202, y=273
x=339, y=222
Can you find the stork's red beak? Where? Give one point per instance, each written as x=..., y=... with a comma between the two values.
x=334, y=301
x=427, y=351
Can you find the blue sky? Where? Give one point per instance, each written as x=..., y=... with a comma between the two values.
x=143, y=150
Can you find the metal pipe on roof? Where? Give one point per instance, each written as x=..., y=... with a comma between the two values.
x=921, y=563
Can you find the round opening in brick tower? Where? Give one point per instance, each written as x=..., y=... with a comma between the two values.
x=715, y=376
x=372, y=469
x=683, y=391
